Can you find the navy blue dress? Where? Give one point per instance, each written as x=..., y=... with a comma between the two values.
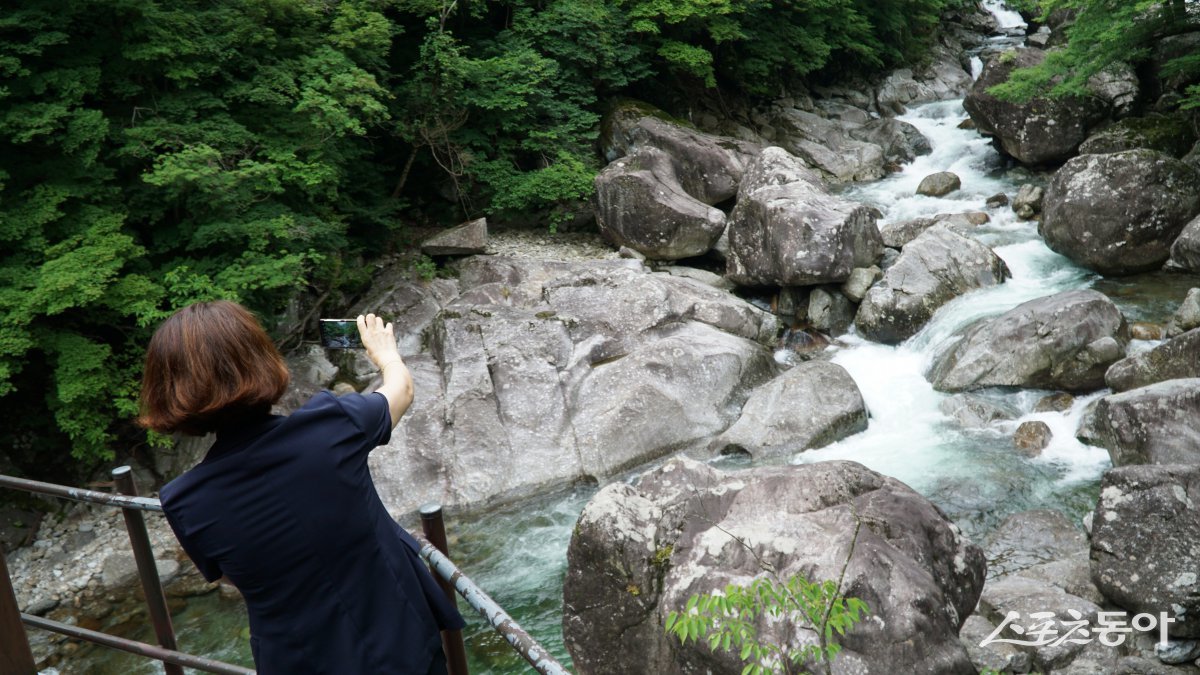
x=286, y=509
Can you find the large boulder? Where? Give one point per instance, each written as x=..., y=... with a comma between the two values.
x=540, y=373
x=1144, y=537
x=638, y=553
x=1119, y=213
x=1185, y=251
x=827, y=146
x=787, y=230
x=809, y=406
x=1064, y=341
x=641, y=204
x=1040, y=131
x=707, y=167
x=933, y=269
x=1187, y=315
x=1176, y=358
x=1155, y=424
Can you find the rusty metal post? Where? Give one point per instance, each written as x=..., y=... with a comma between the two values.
x=15, y=655
x=156, y=601
x=452, y=640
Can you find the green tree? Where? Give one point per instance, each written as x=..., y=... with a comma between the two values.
x=1103, y=33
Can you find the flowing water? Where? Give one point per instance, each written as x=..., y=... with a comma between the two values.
x=518, y=554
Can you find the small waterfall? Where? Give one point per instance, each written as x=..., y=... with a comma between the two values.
x=976, y=67
x=1006, y=17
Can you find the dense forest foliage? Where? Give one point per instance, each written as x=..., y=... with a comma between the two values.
x=155, y=153
x=1102, y=32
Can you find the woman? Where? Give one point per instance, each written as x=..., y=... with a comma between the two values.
x=284, y=507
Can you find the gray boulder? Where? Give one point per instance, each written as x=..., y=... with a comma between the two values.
x=1040, y=131
x=468, y=238
x=1064, y=341
x=707, y=167
x=1176, y=358
x=1185, y=251
x=1028, y=202
x=939, y=184
x=1032, y=437
x=1144, y=536
x=810, y=406
x=936, y=267
x=829, y=310
x=1187, y=316
x=1119, y=213
x=787, y=230
x=641, y=204
x=901, y=142
x=1155, y=424
x=638, y=553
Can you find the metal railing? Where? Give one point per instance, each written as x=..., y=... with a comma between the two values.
x=16, y=657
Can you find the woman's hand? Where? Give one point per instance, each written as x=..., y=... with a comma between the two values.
x=378, y=339
x=380, y=344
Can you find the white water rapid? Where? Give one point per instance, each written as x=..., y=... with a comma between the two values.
x=1006, y=17
x=976, y=475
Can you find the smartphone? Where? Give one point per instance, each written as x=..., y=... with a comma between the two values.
x=340, y=334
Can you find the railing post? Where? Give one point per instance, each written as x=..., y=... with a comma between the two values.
x=452, y=640
x=156, y=601
x=15, y=655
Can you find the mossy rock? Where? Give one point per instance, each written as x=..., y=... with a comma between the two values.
x=1169, y=134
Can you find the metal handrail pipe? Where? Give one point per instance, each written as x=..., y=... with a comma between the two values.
x=524, y=643
x=135, y=647
x=80, y=494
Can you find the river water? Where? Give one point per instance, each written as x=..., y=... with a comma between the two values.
x=518, y=553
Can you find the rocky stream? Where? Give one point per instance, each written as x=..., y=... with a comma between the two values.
x=949, y=358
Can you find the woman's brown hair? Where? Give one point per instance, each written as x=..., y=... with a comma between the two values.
x=209, y=365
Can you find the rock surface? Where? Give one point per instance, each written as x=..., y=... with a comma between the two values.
x=1176, y=358
x=810, y=406
x=939, y=184
x=1119, y=213
x=1064, y=341
x=1171, y=135
x=1187, y=316
x=1028, y=202
x=539, y=373
x=787, y=230
x=641, y=204
x=936, y=267
x=1145, y=536
x=1185, y=251
x=1155, y=424
x=468, y=238
x=639, y=552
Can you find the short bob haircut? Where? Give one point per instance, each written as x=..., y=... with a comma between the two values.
x=209, y=365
